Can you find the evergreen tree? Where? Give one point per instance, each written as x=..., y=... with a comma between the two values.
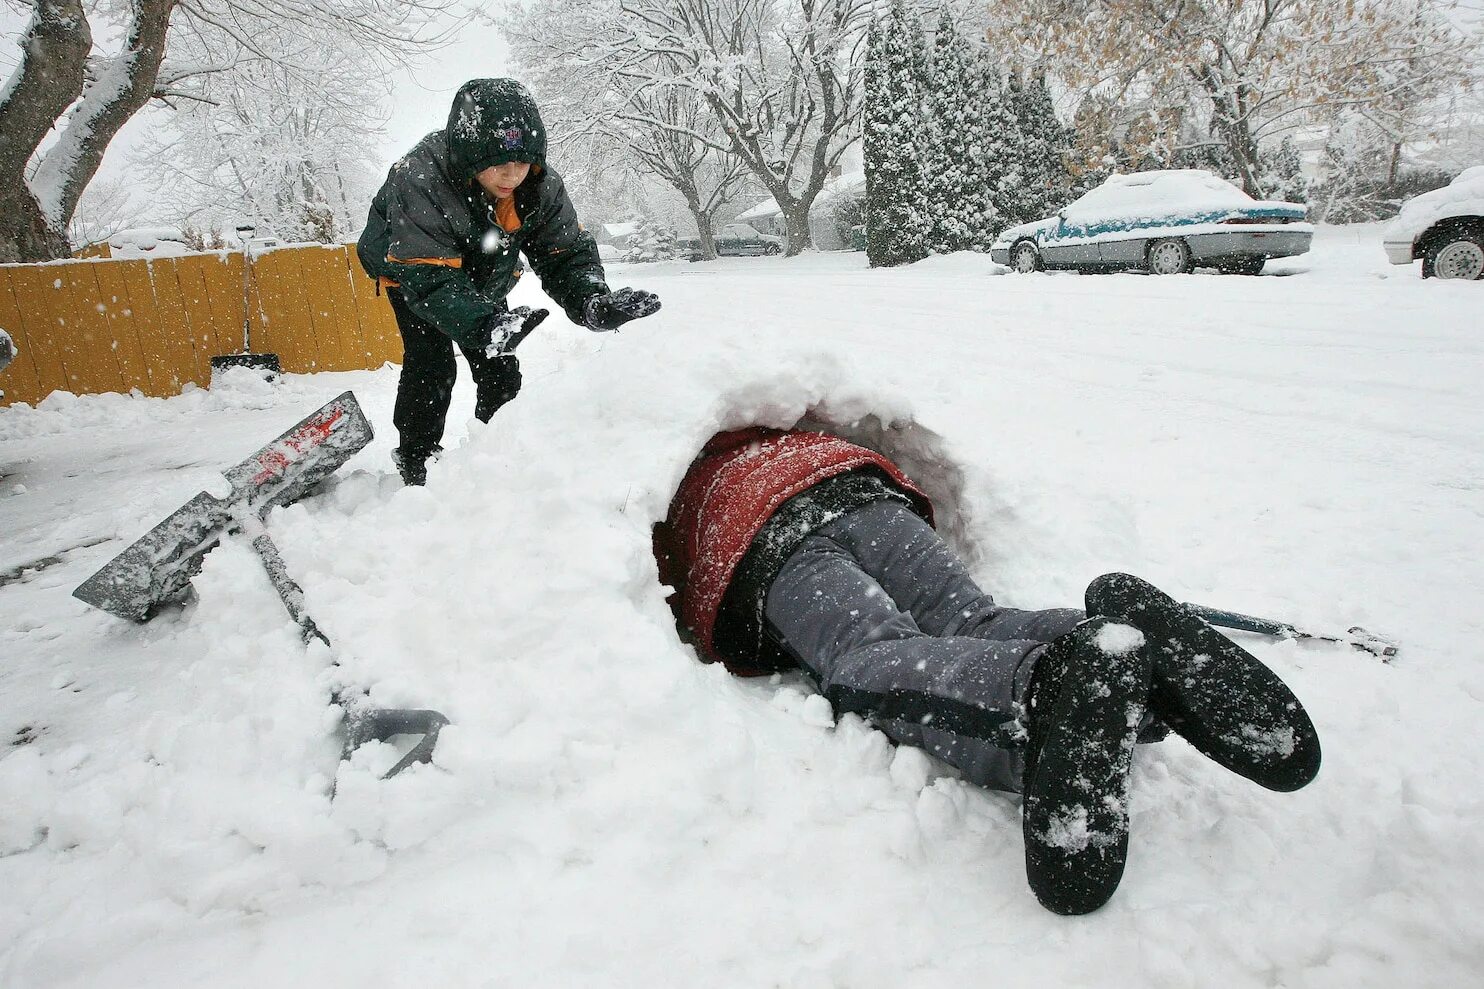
x=651, y=241
x=960, y=174
x=1045, y=183
x=1282, y=175
x=1003, y=139
x=896, y=215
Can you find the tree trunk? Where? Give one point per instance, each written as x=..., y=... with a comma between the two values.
x=52, y=77
x=702, y=217
x=47, y=81
x=120, y=90
x=796, y=220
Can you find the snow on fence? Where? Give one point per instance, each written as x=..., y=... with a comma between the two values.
x=101, y=325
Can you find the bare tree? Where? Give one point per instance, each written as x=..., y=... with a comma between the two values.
x=268, y=143
x=1259, y=67
x=663, y=129
x=781, y=79
x=63, y=83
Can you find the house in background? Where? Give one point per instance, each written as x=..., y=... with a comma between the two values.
x=832, y=221
x=619, y=235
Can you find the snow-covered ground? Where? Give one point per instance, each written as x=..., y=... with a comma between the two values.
x=606, y=811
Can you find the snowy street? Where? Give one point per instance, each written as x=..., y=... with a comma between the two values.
x=1304, y=445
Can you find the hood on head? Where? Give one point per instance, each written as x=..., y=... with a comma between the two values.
x=494, y=121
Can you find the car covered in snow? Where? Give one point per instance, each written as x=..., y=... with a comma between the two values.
x=1165, y=222
x=1445, y=228
x=735, y=240
x=149, y=242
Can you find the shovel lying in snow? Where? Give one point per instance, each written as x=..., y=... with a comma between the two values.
x=157, y=568
x=1355, y=636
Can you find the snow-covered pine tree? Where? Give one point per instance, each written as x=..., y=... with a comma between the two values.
x=1282, y=175
x=960, y=175
x=1003, y=139
x=651, y=241
x=1045, y=183
x=896, y=219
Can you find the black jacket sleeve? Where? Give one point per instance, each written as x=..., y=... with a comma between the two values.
x=563, y=255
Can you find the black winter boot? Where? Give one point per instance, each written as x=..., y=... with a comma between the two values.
x=1084, y=703
x=413, y=465
x=1213, y=692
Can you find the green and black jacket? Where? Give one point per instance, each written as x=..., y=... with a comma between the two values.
x=453, y=253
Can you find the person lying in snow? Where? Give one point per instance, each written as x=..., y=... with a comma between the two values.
x=443, y=236
x=800, y=550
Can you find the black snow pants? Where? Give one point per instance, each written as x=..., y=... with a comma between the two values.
x=887, y=621
x=428, y=373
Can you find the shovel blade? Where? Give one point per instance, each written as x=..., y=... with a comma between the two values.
x=158, y=566
x=288, y=468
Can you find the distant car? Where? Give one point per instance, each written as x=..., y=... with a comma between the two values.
x=1445, y=228
x=735, y=240
x=148, y=242
x=1165, y=222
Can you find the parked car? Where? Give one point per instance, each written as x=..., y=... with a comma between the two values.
x=1165, y=222
x=736, y=240
x=1445, y=228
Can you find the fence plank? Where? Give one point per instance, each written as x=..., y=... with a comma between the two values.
x=332, y=309
x=165, y=369
x=175, y=325
x=89, y=350
x=19, y=381
x=207, y=332
x=344, y=292
x=223, y=275
x=34, y=289
x=378, y=325
x=287, y=327
x=134, y=366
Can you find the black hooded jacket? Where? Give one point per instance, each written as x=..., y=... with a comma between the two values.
x=433, y=232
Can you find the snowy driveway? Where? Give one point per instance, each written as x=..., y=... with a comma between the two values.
x=605, y=811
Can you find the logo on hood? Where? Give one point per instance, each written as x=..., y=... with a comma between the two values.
x=511, y=136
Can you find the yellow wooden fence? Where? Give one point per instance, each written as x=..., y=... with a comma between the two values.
x=99, y=326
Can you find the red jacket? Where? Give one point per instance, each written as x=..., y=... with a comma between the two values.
x=733, y=488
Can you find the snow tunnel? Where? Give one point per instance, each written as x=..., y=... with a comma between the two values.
x=918, y=451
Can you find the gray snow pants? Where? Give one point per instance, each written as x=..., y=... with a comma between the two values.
x=890, y=625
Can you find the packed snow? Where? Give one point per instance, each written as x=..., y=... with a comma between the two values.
x=607, y=811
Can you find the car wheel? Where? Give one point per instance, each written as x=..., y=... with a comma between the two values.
x=772, y=249
x=1027, y=259
x=1170, y=257
x=1242, y=266
x=1459, y=256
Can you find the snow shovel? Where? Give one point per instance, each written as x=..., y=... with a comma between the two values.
x=157, y=568
x=267, y=364
x=1355, y=637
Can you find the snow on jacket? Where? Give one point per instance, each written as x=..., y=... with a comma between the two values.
x=740, y=479
x=433, y=232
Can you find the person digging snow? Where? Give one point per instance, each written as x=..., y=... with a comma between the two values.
x=799, y=550
x=443, y=237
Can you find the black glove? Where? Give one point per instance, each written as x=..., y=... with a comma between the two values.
x=508, y=329
x=612, y=310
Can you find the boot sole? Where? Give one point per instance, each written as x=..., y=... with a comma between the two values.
x=1212, y=692
x=1075, y=816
